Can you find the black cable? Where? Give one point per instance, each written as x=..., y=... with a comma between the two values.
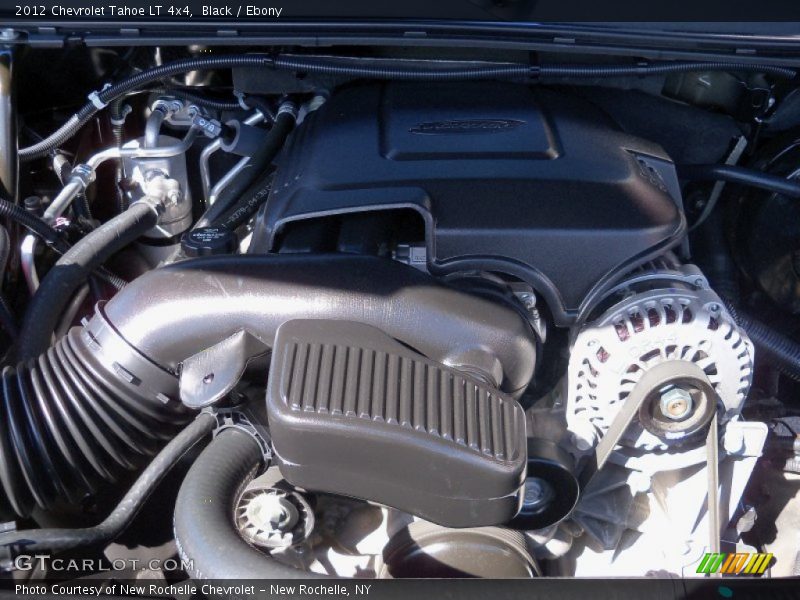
x=345, y=67
x=781, y=351
x=337, y=67
x=647, y=69
x=202, y=101
x=741, y=176
x=72, y=270
x=60, y=540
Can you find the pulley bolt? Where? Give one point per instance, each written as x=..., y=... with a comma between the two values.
x=538, y=494
x=676, y=403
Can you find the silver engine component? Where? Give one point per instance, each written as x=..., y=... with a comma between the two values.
x=142, y=172
x=686, y=323
x=652, y=491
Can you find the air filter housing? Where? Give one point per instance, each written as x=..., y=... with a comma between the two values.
x=354, y=412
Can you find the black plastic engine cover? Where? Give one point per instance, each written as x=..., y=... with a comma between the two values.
x=533, y=183
x=353, y=412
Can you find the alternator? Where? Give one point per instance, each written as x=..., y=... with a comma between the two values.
x=681, y=326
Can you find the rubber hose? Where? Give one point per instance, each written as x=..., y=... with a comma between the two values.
x=60, y=540
x=248, y=204
x=69, y=422
x=52, y=237
x=71, y=311
x=741, y=176
x=204, y=530
x=6, y=315
x=72, y=270
x=250, y=182
x=33, y=223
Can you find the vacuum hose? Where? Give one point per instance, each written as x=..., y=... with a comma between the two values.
x=107, y=394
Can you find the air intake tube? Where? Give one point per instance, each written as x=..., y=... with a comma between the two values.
x=107, y=394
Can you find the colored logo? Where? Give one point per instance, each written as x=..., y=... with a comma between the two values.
x=739, y=563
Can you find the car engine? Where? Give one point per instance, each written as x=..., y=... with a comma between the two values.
x=270, y=313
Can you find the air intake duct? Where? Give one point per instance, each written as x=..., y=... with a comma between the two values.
x=70, y=422
x=107, y=395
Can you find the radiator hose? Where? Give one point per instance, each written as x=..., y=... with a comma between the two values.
x=215, y=550
x=107, y=396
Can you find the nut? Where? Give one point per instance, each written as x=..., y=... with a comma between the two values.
x=676, y=403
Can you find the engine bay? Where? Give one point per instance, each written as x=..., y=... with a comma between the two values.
x=369, y=315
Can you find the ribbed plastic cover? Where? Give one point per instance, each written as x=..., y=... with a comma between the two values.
x=353, y=412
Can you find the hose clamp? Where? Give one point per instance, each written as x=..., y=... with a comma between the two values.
x=83, y=175
x=101, y=344
x=288, y=107
x=234, y=418
x=94, y=98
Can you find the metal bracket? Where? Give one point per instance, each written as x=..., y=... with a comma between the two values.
x=210, y=375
